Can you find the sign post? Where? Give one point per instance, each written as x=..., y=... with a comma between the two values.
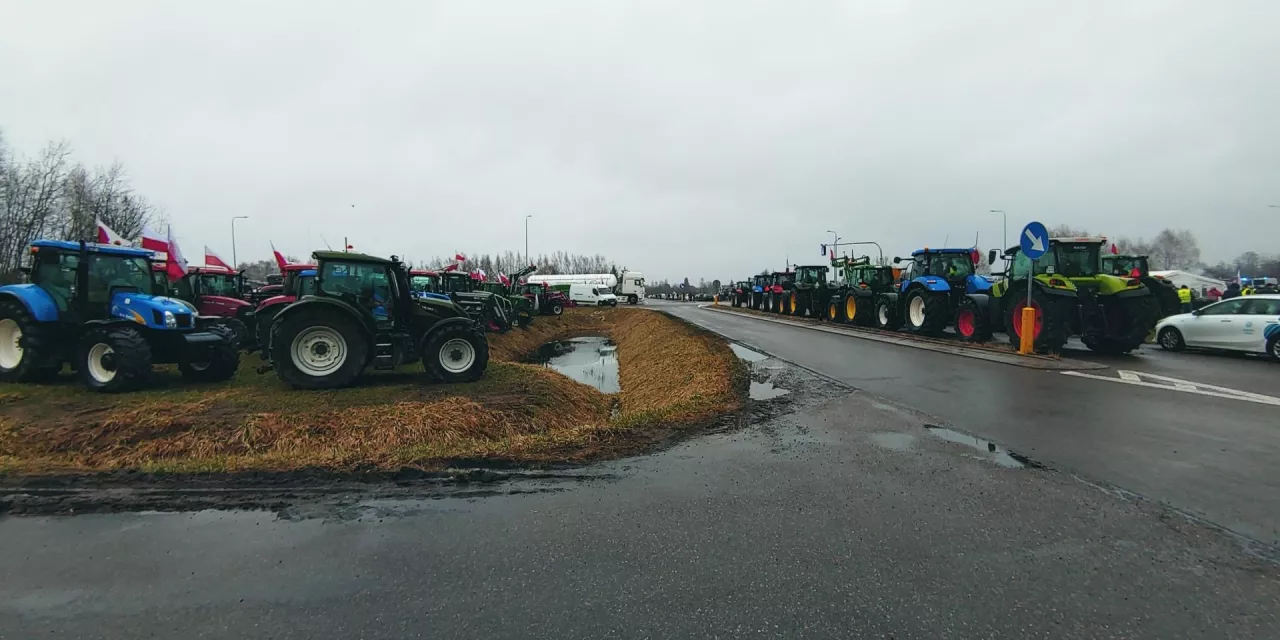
x=1034, y=242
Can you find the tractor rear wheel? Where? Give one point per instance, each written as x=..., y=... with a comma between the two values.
x=315, y=349
x=887, y=315
x=972, y=323
x=1129, y=320
x=1050, y=331
x=456, y=354
x=24, y=349
x=223, y=360
x=557, y=308
x=926, y=312
x=865, y=314
x=849, y=308
x=114, y=359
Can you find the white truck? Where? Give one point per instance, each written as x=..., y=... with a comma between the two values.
x=592, y=295
x=628, y=286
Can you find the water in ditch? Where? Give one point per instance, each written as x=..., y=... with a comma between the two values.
x=762, y=387
x=590, y=360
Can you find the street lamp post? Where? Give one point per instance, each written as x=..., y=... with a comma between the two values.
x=235, y=264
x=1005, y=229
x=835, y=241
x=526, y=238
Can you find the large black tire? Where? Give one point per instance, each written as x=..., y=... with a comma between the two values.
x=887, y=316
x=456, y=354
x=223, y=360
x=849, y=308
x=113, y=359
x=1052, y=316
x=865, y=314
x=833, y=310
x=523, y=319
x=557, y=308
x=26, y=353
x=1273, y=347
x=240, y=336
x=318, y=349
x=263, y=329
x=769, y=303
x=633, y=299
x=973, y=324
x=1129, y=320
x=925, y=312
x=1166, y=296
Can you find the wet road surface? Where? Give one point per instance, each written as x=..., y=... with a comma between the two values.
x=844, y=516
x=1213, y=457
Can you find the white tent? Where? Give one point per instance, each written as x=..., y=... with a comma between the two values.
x=1193, y=281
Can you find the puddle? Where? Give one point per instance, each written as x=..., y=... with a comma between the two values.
x=990, y=450
x=747, y=354
x=590, y=360
x=765, y=391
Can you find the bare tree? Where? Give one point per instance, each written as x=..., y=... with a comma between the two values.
x=1174, y=249
x=30, y=199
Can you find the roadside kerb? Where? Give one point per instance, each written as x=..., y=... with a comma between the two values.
x=1032, y=361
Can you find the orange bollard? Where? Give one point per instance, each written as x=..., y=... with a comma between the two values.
x=1028, y=340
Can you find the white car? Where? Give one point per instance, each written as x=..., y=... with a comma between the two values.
x=1245, y=323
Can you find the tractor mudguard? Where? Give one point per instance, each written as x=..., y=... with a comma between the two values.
x=977, y=285
x=981, y=299
x=1131, y=293
x=37, y=301
x=891, y=297
x=1052, y=291
x=331, y=304
x=426, y=335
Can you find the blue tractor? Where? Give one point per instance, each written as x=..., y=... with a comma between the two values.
x=92, y=305
x=939, y=289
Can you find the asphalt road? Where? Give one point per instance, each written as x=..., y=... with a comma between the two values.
x=842, y=516
x=1215, y=458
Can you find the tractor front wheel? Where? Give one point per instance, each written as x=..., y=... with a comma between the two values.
x=833, y=311
x=926, y=313
x=456, y=354
x=317, y=350
x=972, y=323
x=222, y=362
x=887, y=315
x=114, y=359
x=23, y=347
x=557, y=308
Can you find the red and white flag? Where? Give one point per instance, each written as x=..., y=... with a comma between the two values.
x=459, y=257
x=107, y=236
x=280, y=260
x=177, y=265
x=212, y=259
x=452, y=267
x=153, y=241
x=502, y=277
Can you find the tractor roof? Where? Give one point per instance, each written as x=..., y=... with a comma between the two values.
x=813, y=266
x=932, y=251
x=209, y=268
x=301, y=266
x=92, y=247
x=348, y=256
x=1125, y=256
x=422, y=272
x=1078, y=240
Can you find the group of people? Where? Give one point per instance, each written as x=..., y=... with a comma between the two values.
x=1234, y=290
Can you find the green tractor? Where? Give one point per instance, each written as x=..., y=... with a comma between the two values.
x=364, y=313
x=520, y=308
x=861, y=285
x=1073, y=297
x=491, y=311
x=810, y=292
x=779, y=290
x=1135, y=266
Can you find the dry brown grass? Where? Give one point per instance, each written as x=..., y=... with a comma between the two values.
x=672, y=376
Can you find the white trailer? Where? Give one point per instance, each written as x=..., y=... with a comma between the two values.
x=628, y=286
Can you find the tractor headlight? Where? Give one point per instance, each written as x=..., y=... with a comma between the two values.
x=170, y=322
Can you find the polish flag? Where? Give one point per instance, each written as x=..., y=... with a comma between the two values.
x=177, y=265
x=1114, y=250
x=452, y=267
x=153, y=241
x=107, y=236
x=502, y=277
x=212, y=259
x=280, y=261
x=459, y=257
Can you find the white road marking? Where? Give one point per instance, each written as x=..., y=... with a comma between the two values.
x=1154, y=381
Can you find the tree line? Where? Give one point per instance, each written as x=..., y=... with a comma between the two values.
x=50, y=196
x=1178, y=249
x=507, y=262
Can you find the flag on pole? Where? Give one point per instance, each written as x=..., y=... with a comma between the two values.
x=502, y=277
x=212, y=259
x=177, y=265
x=452, y=267
x=459, y=257
x=107, y=236
x=1114, y=250
x=280, y=261
x=153, y=241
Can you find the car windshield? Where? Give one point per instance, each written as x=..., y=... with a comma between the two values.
x=1076, y=260
x=107, y=272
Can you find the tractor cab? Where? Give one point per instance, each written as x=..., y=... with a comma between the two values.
x=298, y=280
x=362, y=313
x=953, y=266
x=488, y=309
x=811, y=277
x=1125, y=266
x=216, y=291
x=425, y=284
x=1135, y=266
x=96, y=306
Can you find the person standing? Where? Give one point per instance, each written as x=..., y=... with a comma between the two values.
x=1184, y=297
x=1233, y=291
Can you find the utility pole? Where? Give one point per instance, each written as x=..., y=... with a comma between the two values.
x=526, y=239
x=235, y=264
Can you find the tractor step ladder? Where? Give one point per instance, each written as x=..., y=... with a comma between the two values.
x=384, y=352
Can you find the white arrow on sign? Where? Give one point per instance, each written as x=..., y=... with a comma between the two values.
x=1036, y=242
x=1153, y=381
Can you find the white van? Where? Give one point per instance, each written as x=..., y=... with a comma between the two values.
x=592, y=295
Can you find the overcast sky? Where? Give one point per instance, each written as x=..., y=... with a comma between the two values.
x=703, y=139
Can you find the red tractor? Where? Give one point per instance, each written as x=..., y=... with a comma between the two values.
x=299, y=280
x=546, y=301
x=219, y=292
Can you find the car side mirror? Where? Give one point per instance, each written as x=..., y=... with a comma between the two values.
x=991, y=256
x=897, y=259
x=1196, y=312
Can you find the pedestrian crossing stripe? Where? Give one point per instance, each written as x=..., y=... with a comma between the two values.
x=1154, y=381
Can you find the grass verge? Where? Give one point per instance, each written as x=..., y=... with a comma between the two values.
x=673, y=376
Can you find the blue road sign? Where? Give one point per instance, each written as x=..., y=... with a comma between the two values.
x=1034, y=240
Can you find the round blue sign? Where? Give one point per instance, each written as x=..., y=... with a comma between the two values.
x=1034, y=240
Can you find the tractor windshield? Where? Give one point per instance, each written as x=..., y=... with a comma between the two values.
x=423, y=284
x=784, y=279
x=107, y=272
x=951, y=265
x=220, y=284
x=1076, y=260
x=1125, y=265
x=810, y=275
